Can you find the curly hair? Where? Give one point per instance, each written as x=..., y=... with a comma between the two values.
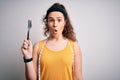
x=68, y=30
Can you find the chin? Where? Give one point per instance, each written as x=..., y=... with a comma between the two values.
x=55, y=35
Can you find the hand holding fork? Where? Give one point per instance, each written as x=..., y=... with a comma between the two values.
x=27, y=44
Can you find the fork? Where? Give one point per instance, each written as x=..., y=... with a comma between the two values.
x=29, y=27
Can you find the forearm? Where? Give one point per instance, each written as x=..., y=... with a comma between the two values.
x=77, y=76
x=30, y=71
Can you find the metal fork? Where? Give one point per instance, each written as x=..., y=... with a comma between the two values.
x=29, y=27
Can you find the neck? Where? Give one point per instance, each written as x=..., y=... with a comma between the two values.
x=56, y=38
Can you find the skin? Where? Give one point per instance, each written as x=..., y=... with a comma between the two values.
x=56, y=42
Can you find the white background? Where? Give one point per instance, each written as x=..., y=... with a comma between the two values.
x=96, y=23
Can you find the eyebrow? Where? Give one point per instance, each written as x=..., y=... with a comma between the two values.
x=52, y=17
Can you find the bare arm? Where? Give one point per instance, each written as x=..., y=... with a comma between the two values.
x=30, y=52
x=77, y=73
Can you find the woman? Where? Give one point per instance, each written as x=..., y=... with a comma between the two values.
x=58, y=57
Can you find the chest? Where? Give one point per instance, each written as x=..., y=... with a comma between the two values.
x=57, y=46
x=60, y=58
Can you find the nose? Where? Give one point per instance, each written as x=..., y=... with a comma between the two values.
x=55, y=24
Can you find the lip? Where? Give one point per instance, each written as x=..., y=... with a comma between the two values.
x=55, y=31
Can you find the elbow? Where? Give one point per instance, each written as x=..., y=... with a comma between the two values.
x=31, y=78
x=77, y=77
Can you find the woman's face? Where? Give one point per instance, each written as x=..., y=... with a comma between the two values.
x=56, y=23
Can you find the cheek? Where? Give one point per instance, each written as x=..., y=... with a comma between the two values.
x=49, y=26
x=62, y=26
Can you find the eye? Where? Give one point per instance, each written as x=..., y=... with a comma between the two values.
x=50, y=20
x=59, y=20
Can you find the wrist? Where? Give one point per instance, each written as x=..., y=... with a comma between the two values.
x=27, y=56
x=26, y=60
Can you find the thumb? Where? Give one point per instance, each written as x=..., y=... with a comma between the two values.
x=30, y=42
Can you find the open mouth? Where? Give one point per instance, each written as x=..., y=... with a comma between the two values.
x=55, y=31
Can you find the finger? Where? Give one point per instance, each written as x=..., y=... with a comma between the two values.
x=24, y=47
x=27, y=41
x=30, y=42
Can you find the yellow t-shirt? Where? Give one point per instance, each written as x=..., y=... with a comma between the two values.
x=56, y=65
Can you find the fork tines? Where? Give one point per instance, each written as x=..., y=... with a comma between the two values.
x=29, y=24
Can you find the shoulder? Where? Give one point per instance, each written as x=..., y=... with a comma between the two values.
x=38, y=45
x=71, y=42
x=77, y=48
x=76, y=44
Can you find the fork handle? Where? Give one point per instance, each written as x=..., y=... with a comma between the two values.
x=28, y=34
